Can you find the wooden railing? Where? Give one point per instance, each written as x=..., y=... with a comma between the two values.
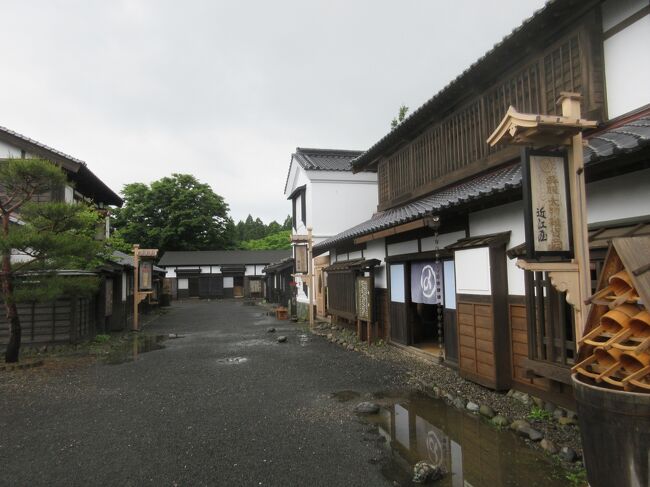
x=454, y=146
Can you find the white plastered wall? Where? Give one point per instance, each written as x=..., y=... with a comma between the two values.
x=624, y=196
x=339, y=200
x=503, y=218
x=627, y=64
x=473, y=271
x=400, y=248
x=376, y=249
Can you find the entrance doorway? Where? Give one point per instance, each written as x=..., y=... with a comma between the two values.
x=238, y=286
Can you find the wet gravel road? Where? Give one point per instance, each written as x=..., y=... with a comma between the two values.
x=180, y=416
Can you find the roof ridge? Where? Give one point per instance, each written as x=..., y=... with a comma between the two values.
x=41, y=145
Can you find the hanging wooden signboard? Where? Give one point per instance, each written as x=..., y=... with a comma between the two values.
x=145, y=277
x=363, y=295
x=302, y=264
x=147, y=252
x=547, y=215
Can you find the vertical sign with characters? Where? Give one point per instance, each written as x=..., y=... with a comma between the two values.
x=546, y=204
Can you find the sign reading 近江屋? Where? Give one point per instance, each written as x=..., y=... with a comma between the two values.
x=546, y=204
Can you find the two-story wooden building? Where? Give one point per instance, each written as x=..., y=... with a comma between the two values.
x=70, y=318
x=450, y=208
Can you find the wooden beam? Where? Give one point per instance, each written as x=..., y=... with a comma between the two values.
x=405, y=227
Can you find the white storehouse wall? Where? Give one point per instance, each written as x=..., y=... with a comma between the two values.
x=627, y=76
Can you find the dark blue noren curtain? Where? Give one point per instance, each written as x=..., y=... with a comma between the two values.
x=426, y=283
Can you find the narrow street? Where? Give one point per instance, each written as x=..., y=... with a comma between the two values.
x=185, y=415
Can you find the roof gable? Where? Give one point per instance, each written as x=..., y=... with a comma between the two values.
x=77, y=169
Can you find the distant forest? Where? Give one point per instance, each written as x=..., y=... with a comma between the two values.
x=253, y=234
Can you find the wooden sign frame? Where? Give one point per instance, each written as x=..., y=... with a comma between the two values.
x=302, y=262
x=532, y=219
x=364, y=298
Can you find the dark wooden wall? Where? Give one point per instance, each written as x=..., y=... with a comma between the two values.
x=454, y=146
x=62, y=321
x=341, y=294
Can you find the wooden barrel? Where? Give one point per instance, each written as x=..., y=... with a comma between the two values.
x=615, y=431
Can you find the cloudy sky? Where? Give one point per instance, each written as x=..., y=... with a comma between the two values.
x=140, y=89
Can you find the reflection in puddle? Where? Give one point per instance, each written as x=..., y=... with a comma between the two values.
x=473, y=453
x=132, y=349
x=303, y=340
x=233, y=360
x=345, y=396
x=254, y=342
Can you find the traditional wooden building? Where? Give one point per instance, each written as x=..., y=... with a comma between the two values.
x=71, y=318
x=450, y=206
x=328, y=197
x=278, y=281
x=218, y=273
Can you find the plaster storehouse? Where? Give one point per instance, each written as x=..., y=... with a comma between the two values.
x=328, y=197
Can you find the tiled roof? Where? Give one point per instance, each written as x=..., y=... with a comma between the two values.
x=493, y=182
x=538, y=23
x=322, y=160
x=222, y=257
x=629, y=137
x=92, y=186
x=41, y=145
x=325, y=159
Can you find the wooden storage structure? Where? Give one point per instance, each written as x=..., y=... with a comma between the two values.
x=483, y=332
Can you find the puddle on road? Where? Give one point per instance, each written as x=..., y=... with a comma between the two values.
x=303, y=340
x=232, y=360
x=345, y=396
x=473, y=453
x=132, y=349
x=253, y=342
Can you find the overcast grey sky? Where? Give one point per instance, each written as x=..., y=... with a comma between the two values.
x=140, y=89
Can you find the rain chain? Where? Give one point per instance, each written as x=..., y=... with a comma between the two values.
x=439, y=297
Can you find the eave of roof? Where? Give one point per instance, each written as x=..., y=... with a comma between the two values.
x=78, y=168
x=304, y=156
x=629, y=137
x=419, y=118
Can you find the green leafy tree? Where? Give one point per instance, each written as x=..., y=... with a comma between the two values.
x=40, y=239
x=288, y=223
x=275, y=241
x=401, y=115
x=174, y=213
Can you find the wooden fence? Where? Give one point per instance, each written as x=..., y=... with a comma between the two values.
x=62, y=321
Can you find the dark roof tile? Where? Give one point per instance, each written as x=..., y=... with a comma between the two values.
x=222, y=257
x=629, y=137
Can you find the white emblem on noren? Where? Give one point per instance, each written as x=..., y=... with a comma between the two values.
x=428, y=281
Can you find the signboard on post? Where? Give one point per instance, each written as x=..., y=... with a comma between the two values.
x=145, y=278
x=302, y=264
x=364, y=298
x=547, y=215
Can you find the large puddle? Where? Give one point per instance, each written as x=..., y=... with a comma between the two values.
x=131, y=350
x=473, y=453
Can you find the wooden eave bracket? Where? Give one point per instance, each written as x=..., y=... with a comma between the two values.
x=532, y=129
x=142, y=295
x=564, y=277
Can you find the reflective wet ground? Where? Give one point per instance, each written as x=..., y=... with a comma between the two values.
x=133, y=348
x=474, y=453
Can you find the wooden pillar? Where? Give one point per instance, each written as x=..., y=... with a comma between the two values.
x=571, y=108
x=135, y=287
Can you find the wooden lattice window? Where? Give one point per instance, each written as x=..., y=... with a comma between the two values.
x=562, y=72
